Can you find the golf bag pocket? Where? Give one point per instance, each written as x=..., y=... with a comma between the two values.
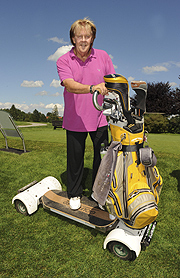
x=147, y=157
x=142, y=206
x=134, y=192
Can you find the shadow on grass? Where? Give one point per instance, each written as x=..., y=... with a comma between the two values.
x=93, y=231
x=13, y=150
x=86, y=181
x=176, y=174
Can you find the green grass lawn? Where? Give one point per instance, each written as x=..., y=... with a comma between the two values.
x=47, y=245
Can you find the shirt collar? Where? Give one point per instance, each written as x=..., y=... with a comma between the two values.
x=92, y=55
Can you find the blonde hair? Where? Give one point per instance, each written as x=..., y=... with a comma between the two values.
x=82, y=22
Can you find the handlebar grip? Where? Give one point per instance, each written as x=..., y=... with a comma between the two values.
x=95, y=102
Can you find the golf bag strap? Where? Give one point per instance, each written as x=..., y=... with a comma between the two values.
x=131, y=148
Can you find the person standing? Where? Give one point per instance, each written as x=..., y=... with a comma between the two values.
x=81, y=71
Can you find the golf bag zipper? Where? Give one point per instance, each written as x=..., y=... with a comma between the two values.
x=137, y=192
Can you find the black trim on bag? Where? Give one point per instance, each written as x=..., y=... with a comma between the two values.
x=111, y=194
x=114, y=182
x=144, y=208
x=131, y=148
x=124, y=187
x=138, y=191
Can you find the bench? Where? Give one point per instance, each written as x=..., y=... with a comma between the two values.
x=57, y=124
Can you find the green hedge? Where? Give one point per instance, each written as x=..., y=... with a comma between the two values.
x=158, y=123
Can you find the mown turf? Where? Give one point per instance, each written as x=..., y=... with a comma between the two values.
x=47, y=245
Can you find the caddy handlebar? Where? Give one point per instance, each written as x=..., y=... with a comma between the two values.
x=95, y=101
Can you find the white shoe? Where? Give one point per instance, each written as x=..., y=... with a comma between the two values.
x=75, y=203
x=101, y=207
x=92, y=196
x=112, y=217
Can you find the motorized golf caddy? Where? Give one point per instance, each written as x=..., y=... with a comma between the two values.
x=129, y=210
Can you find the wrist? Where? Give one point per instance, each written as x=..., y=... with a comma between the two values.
x=91, y=89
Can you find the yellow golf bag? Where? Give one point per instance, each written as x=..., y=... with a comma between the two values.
x=128, y=183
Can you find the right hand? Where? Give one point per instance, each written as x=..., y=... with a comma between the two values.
x=101, y=88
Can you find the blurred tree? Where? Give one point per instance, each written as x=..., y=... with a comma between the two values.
x=36, y=116
x=54, y=116
x=43, y=118
x=55, y=111
x=17, y=114
x=155, y=123
x=174, y=124
x=176, y=102
x=161, y=98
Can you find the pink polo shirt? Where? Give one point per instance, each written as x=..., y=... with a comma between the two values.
x=79, y=112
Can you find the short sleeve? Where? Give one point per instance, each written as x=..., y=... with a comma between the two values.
x=63, y=68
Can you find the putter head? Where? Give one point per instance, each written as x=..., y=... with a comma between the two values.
x=142, y=85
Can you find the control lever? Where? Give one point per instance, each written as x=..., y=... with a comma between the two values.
x=95, y=102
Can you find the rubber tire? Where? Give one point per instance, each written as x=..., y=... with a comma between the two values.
x=121, y=251
x=20, y=207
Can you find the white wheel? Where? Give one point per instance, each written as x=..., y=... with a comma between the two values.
x=121, y=251
x=20, y=207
